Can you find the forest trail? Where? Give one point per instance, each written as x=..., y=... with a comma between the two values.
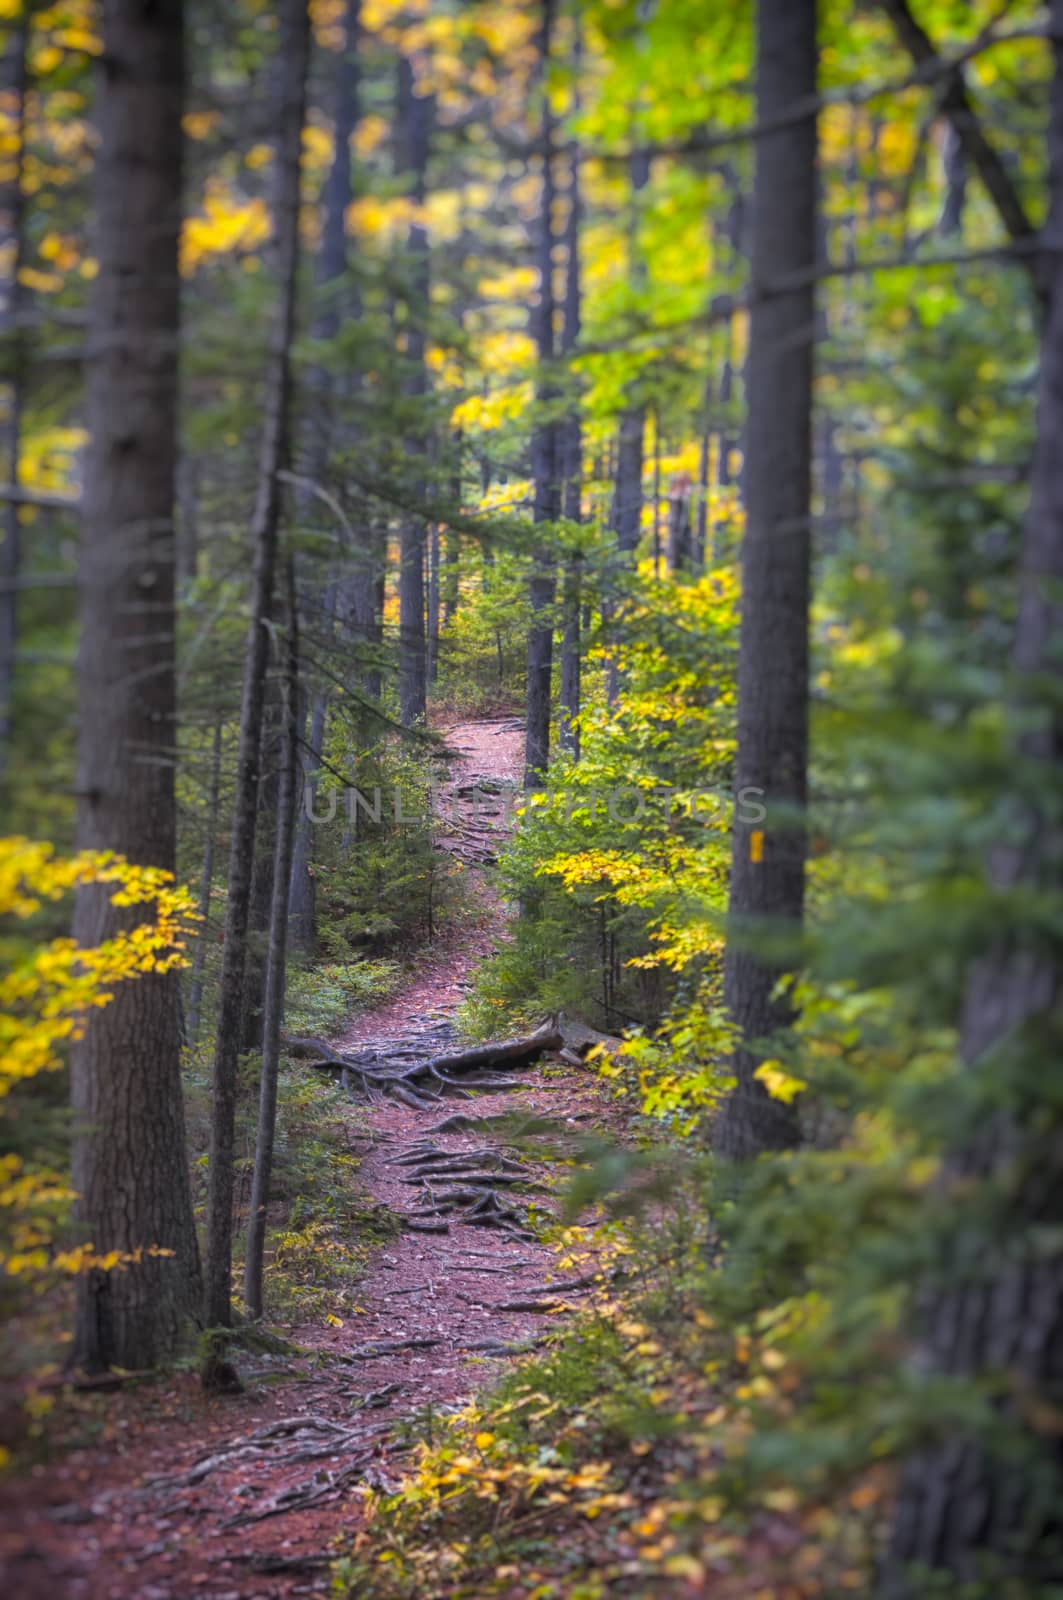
x=177, y=1494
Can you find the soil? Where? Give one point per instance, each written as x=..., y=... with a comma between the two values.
x=129, y=1515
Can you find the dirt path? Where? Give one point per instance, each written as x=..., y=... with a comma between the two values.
x=179, y=1494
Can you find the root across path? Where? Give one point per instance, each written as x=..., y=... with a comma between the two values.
x=428, y=1076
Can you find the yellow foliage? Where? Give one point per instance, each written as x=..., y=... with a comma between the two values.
x=514, y=285
x=482, y=413
x=47, y=993
x=387, y=219
x=370, y=133
x=228, y=223
x=779, y=1084
x=200, y=124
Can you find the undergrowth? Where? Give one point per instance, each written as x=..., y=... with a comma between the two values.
x=322, y=1224
x=321, y=998
x=615, y=1461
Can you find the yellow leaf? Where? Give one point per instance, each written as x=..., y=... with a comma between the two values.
x=779, y=1084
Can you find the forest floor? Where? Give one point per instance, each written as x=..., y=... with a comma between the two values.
x=162, y=1491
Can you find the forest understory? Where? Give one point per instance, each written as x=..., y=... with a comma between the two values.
x=531, y=740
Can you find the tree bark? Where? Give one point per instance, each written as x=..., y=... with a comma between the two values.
x=571, y=463
x=294, y=46
x=954, y=171
x=276, y=971
x=768, y=861
x=302, y=905
x=11, y=549
x=965, y=1508
x=416, y=116
x=630, y=451
x=433, y=604
x=331, y=269
x=130, y=1163
x=206, y=886
x=271, y=743
x=451, y=576
x=545, y=458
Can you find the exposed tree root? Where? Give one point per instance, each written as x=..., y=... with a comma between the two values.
x=299, y=1496
x=427, y=1078
x=310, y=1439
x=389, y=1347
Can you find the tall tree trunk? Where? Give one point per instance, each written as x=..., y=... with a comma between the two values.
x=965, y=1508
x=731, y=437
x=451, y=578
x=630, y=449
x=331, y=269
x=571, y=463
x=271, y=745
x=294, y=47
x=302, y=904
x=276, y=970
x=206, y=886
x=11, y=549
x=433, y=604
x=768, y=862
x=130, y=1165
x=703, y=532
x=416, y=116
x=954, y=171
x=545, y=464
x=680, y=533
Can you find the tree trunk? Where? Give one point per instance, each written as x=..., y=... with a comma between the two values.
x=276, y=971
x=954, y=170
x=294, y=47
x=11, y=549
x=545, y=463
x=768, y=861
x=451, y=579
x=206, y=885
x=331, y=269
x=730, y=437
x=680, y=534
x=703, y=533
x=416, y=115
x=271, y=743
x=630, y=456
x=302, y=905
x=965, y=1508
x=571, y=466
x=130, y=1163
x=433, y=604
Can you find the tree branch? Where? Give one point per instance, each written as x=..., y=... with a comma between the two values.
x=983, y=156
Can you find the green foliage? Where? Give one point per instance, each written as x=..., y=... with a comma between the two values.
x=381, y=883
x=320, y=998
x=622, y=862
x=326, y=1227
